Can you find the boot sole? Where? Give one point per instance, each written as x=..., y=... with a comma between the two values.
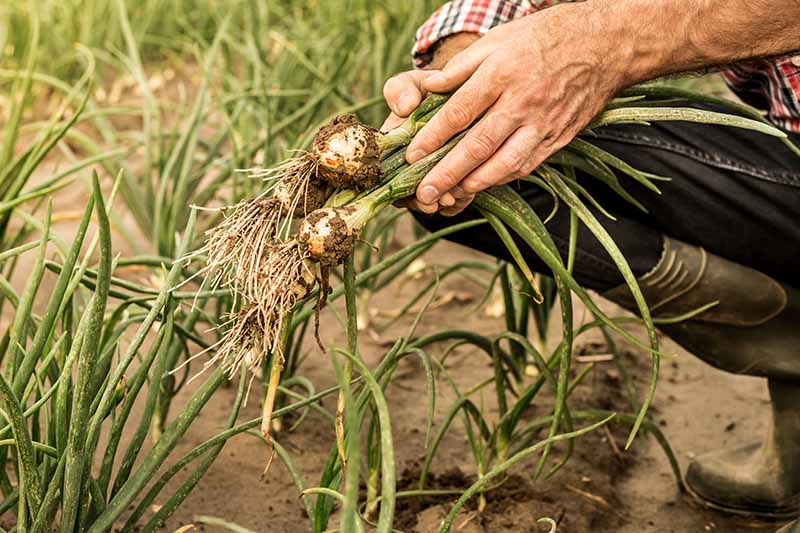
x=787, y=512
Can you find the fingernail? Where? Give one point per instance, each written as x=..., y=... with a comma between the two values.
x=429, y=209
x=428, y=194
x=415, y=155
x=404, y=102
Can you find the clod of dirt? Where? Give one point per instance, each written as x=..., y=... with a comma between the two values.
x=515, y=505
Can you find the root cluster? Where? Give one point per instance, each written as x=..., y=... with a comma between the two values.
x=237, y=244
x=251, y=251
x=286, y=277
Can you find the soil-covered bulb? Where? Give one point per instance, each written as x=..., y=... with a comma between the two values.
x=348, y=154
x=327, y=237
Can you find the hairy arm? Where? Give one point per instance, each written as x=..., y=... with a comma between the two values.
x=676, y=36
x=540, y=79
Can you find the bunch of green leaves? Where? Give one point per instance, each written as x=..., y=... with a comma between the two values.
x=68, y=377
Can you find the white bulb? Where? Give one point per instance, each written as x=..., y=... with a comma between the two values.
x=345, y=150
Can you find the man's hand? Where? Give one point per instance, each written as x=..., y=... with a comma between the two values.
x=536, y=84
x=404, y=92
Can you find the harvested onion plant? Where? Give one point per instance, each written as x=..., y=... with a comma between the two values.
x=344, y=155
x=273, y=266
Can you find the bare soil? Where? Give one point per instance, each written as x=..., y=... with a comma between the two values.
x=603, y=488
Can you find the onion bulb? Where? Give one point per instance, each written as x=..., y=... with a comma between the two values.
x=327, y=235
x=295, y=202
x=348, y=154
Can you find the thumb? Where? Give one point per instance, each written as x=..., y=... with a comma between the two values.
x=404, y=92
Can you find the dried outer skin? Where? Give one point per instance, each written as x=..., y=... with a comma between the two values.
x=348, y=154
x=316, y=195
x=307, y=281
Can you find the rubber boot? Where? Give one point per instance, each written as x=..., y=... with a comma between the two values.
x=753, y=329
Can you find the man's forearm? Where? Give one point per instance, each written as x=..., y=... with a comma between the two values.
x=646, y=39
x=651, y=38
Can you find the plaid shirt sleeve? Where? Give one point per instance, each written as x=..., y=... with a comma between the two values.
x=771, y=85
x=472, y=16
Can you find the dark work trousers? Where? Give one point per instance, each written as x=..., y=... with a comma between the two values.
x=734, y=192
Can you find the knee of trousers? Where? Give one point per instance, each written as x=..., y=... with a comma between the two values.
x=590, y=271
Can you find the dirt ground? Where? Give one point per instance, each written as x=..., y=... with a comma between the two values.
x=602, y=489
